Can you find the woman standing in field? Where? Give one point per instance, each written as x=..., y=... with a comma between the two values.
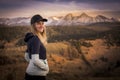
x=36, y=52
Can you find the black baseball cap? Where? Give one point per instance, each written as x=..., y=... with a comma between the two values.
x=37, y=18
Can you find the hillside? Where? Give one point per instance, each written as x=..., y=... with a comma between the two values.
x=73, y=52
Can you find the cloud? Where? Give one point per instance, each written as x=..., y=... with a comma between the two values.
x=12, y=4
x=55, y=7
x=82, y=1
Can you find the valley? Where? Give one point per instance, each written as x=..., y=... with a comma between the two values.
x=73, y=52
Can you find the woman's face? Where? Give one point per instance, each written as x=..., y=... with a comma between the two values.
x=39, y=26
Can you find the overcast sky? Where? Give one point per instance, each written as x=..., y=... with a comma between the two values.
x=27, y=8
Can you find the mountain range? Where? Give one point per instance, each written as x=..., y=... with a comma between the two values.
x=19, y=21
x=67, y=20
x=82, y=19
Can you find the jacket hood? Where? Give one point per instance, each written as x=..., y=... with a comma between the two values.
x=28, y=36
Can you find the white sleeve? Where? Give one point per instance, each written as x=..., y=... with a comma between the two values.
x=39, y=62
x=27, y=56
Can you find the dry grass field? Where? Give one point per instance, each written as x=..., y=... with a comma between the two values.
x=82, y=53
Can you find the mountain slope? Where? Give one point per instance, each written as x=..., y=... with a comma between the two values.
x=82, y=19
x=67, y=20
x=20, y=21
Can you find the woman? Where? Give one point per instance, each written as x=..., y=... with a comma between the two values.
x=36, y=52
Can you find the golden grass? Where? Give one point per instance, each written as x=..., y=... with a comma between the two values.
x=13, y=64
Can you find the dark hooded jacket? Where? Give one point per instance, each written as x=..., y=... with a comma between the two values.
x=34, y=45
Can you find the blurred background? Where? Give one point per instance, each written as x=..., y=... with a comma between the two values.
x=83, y=38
